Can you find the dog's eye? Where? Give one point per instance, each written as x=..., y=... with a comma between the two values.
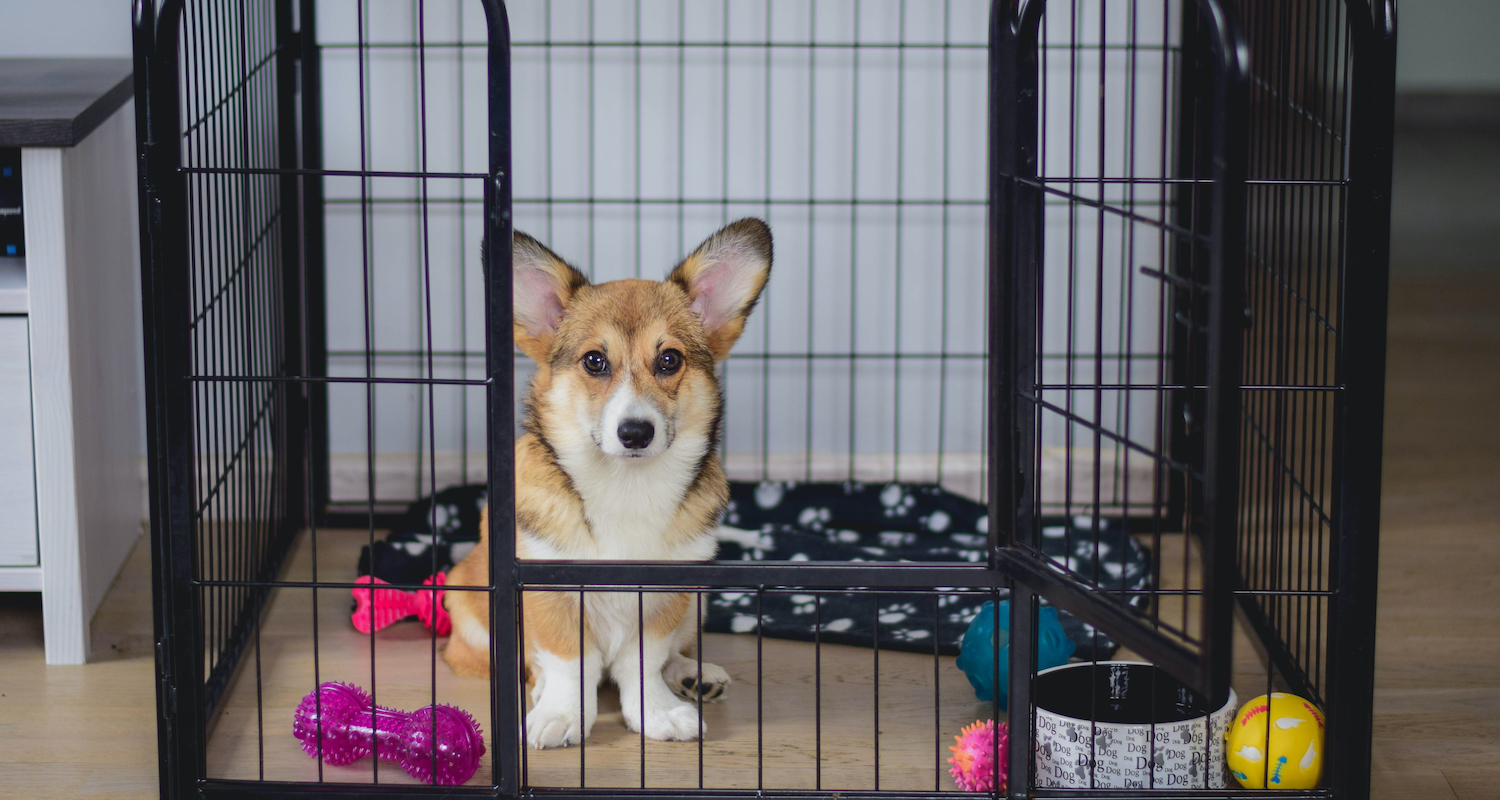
x=594, y=362
x=669, y=362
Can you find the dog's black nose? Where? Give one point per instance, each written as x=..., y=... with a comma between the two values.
x=636, y=434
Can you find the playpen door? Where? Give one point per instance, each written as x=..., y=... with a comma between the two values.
x=1116, y=239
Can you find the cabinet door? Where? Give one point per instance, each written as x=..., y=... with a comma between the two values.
x=18, y=545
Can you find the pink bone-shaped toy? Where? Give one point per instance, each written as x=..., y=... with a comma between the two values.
x=387, y=606
x=335, y=722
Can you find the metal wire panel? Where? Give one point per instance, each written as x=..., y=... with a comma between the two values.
x=1294, y=268
x=1122, y=235
x=1319, y=178
x=238, y=226
x=855, y=129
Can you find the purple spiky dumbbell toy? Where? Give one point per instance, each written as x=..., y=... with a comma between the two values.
x=406, y=738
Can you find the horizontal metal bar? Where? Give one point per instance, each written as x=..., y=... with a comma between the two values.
x=798, y=568
x=1083, y=600
x=270, y=790
x=737, y=44
x=759, y=574
x=1190, y=181
x=733, y=356
x=1186, y=469
x=661, y=201
x=329, y=173
x=801, y=357
x=729, y=794
x=276, y=584
x=1167, y=387
x=1234, y=793
x=1104, y=205
x=326, y=379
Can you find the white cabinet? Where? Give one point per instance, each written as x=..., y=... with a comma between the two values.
x=18, y=543
x=72, y=496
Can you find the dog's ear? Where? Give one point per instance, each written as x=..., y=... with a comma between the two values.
x=541, y=285
x=723, y=279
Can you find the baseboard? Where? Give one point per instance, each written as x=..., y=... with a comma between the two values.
x=1476, y=110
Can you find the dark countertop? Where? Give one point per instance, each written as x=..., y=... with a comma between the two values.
x=56, y=102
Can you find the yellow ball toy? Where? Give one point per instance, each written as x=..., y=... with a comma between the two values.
x=1294, y=758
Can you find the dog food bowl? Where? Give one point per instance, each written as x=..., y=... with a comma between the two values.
x=1184, y=749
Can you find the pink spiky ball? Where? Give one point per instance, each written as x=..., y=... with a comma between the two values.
x=974, y=766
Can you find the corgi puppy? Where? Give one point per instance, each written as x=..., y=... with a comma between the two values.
x=618, y=462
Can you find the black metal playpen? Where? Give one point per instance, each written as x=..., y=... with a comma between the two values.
x=1113, y=272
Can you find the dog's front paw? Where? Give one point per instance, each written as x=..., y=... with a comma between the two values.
x=681, y=674
x=676, y=723
x=553, y=728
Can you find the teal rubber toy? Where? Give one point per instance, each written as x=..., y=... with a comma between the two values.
x=977, y=653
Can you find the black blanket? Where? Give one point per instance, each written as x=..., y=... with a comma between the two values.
x=782, y=521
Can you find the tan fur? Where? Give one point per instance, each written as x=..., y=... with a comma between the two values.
x=559, y=319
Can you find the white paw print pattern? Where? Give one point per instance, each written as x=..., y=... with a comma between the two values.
x=838, y=625
x=963, y=616
x=445, y=518
x=769, y=493
x=897, y=501
x=804, y=603
x=814, y=518
x=968, y=539
x=910, y=634
x=731, y=514
x=945, y=600
x=938, y=521
x=897, y=538
x=734, y=599
x=419, y=544
x=898, y=612
x=1085, y=549
x=743, y=623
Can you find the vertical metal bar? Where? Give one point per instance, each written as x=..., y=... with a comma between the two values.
x=1358, y=439
x=314, y=342
x=1226, y=324
x=288, y=46
x=1014, y=251
x=942, y=403
x=812, y=223
x=505, y=666
x=165, y=289
x=1022, y=669
x=900, y=207
x=640, y=665
x=875, y=681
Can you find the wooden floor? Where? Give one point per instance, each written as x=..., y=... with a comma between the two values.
x=251, y=738
x=88, y=731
